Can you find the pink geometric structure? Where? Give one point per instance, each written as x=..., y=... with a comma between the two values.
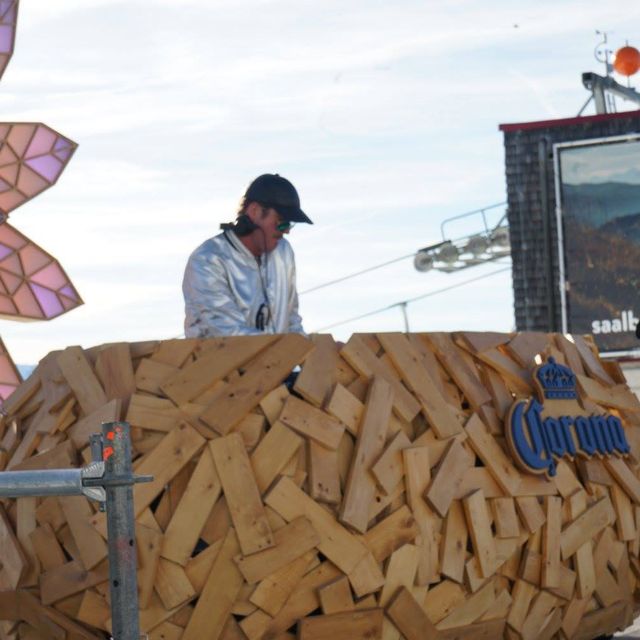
x=33, y=285
x=10, y=377
x=32, y=157
x=8, y=18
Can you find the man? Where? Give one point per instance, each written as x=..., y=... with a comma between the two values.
x=242, y=281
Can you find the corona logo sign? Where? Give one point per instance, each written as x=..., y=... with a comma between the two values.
x=542, y=431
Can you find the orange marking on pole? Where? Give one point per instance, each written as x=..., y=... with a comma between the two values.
x=107, y=453
x=111, y=435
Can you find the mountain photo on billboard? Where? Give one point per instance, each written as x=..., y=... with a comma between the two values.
x=600, y=205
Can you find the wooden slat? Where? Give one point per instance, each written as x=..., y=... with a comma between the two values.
x=172, y=584
x=114, y=370
x=625, y=520
x=303, y=601
x=516, y=377
x=465, y=377
x=417, y=479
x=242, y=395
x=346, y=407
x=149, y=544
x=340, y=546
x=80, y=432
x=492, y=455
x=618, y=397
x=272, y=592
x=531, y=513
x=312, y=423
x=290, y=542
x=370, y=442
x=78, y=373
x=586, y=526
x=149, y=412
x=350, y=625
x=505, y=518
x=47, y=547
x=479, y=525
x=91, y=546
x=471, y=609
x=218, y=359
x=319, y=372
x=218, y=595
x=189, y=517
x=272, y=454
x=450, y=471
x=409, y=617
x=68, y=579
x=14, y=561
x=522, y=593
x=454, y=543
x=389, y=468
x=324, y=474
x=550, y=576
x=365, y=362
x=440, y=414
x=336, y=597
x=165, y=462
x=242, y=494
x=619, y=469
x=592, y=365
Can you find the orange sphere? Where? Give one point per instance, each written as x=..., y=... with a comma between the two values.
x=627, y=61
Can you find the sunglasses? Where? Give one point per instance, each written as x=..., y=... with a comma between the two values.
x=285, y=225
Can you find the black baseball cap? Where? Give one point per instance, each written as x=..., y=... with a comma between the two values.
x=277, y=192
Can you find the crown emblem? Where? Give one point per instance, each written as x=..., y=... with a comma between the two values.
x=556, y=380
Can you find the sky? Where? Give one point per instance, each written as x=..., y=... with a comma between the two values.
x=383, y=114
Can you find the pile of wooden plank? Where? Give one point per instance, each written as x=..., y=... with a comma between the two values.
x=377, y=498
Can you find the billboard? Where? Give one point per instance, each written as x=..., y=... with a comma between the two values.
x=598, y=209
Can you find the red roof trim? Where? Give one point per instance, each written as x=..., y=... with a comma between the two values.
x=544, y=124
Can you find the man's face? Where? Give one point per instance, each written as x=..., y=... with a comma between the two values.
x=268, y=222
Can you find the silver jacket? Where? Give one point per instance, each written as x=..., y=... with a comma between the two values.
x=229, y=292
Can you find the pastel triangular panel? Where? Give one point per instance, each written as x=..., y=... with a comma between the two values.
x=10, y=281
x=12, y=237
x=49, y=167
x=12, y=263
x=51, y=276
x=44, y=292
x=6, y=390
x=70, y=292
x=9, y=172
x=67, y=303
x=6, y=39
x=48, y=300
x=8, y=18
x=7, y=307
x=63, y=154
x=20, y=137
x=4, y=250
x=30, y=182
x=32, y=157
x=7, y=154
x=27, y=304
x=42, y=142
x=33, y=259
x=10, y=200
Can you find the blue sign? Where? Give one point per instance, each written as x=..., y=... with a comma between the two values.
x=537, y=442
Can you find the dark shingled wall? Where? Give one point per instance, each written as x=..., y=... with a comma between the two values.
x=532, y=209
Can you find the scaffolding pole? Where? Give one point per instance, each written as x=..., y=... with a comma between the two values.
x=109, y=480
